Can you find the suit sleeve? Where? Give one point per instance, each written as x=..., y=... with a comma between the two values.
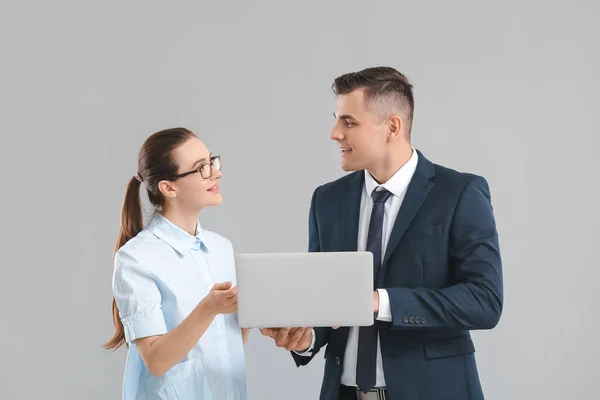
x=314, y=245
x=475, y=301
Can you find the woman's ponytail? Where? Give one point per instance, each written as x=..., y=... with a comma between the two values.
x=131, y=224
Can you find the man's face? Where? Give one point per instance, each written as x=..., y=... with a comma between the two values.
x=361, y=139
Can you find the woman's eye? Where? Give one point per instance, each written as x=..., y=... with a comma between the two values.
x=349, y=124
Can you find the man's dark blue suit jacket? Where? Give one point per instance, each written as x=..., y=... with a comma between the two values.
x=442, y=270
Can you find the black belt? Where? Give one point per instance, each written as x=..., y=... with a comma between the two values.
x=354, y=393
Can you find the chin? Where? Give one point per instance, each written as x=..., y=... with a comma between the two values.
x=213, y=202
x=347, y=167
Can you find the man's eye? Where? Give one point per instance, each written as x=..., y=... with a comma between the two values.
x=349, y=124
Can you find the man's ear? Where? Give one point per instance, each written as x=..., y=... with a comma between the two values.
x=394, y=127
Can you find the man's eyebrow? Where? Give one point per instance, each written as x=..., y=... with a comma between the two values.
x=345, y=116
x=201, y=160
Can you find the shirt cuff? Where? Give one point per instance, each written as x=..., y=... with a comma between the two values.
x=146, y=323
x=385, y=311
x=308, y=352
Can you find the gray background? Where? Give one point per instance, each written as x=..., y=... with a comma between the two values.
x=504, y=89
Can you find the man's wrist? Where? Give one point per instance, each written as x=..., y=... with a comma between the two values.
x=384, y=312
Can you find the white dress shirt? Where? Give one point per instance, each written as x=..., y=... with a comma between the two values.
x=397, y=185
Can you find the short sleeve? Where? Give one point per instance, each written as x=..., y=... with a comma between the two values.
x=137, y=296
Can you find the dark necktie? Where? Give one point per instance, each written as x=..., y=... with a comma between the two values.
x=367, y=336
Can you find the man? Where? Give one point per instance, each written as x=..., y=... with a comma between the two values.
x=437, y=262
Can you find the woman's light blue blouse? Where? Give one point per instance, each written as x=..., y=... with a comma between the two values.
x=159, y=277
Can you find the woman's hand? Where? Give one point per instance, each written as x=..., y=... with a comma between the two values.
x=222, y=299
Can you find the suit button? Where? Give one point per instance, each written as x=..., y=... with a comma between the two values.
x=412, y=320
x=422, y=320
x=405, y=319
x=417, y=320
x=337, y=360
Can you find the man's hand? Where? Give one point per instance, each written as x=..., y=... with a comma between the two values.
x=298, y=339
x=375, y=305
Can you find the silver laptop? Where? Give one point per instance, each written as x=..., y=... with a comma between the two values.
x=305, y=289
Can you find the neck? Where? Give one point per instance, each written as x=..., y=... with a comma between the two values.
x=185, y=220
x=387, y=167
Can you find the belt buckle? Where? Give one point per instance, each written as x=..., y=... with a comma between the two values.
x=372, y=395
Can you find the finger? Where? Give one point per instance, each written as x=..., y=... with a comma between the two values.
x=282, y=337
x=288, y=338
x=270, y=332
x=298, y=340
x=232, y=300
x=295, y=336
x=265, y=331
x=221, y=286
x=291, y=331
x=231, y=293
x=273, y=333
x=335, y=327
x=305, y=340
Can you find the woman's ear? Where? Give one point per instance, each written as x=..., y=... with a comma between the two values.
x=167, y=189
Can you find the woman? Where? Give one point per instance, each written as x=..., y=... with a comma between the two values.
x=175, y=299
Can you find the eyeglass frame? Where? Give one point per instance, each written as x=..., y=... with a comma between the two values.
x=199, y=169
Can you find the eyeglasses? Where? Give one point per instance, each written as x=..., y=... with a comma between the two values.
x=205, y=169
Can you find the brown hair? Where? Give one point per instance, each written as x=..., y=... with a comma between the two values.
x=384, y=87
x=154, y=164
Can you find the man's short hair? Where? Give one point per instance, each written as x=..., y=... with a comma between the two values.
x=387, y=92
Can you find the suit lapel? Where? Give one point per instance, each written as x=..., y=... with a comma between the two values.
x=416, y=193
x=350, y=210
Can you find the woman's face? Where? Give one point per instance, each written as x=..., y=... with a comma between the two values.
x=195, y=191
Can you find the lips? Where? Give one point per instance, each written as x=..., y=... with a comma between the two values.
x=345, y=150
x=215, y=188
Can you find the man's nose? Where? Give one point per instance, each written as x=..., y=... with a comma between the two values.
x=336, y=134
